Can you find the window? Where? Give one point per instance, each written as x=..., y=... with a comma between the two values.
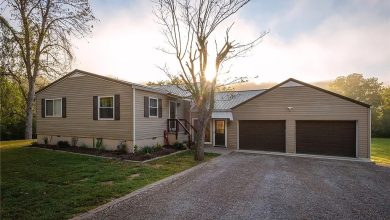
x=106, y=107
x=153, y=107
x=53, y=107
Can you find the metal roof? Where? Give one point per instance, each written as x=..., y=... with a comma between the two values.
x=174, y=89
x=227, y=100
x=223, y=100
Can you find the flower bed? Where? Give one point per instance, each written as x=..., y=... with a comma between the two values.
x=142, y=154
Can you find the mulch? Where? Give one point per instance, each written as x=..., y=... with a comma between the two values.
x=111, y=154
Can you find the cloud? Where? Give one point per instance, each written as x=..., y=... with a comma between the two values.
x=125, y=41
x=338, y=46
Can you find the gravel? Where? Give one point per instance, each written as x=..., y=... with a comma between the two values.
x=254, y=186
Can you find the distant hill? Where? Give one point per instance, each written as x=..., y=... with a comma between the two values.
x=267, y=85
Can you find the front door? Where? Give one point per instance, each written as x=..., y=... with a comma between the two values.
x=219, y=132
x=172, y=115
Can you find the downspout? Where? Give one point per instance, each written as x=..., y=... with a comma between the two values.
x=133, y=118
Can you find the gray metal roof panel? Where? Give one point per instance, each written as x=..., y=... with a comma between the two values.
x=223, y=100
x=227, y=100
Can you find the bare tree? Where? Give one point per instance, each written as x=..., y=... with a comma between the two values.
x=187, y=26
x=36, y=41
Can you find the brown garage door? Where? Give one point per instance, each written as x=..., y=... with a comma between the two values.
x=262, y=135
x=337, y=138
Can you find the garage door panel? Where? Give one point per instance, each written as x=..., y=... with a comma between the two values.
x=262, y=135
x=337, y=138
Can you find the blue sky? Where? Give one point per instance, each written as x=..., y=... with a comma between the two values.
x=308, y=40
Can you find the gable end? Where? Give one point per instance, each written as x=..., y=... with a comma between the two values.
x=293, y=83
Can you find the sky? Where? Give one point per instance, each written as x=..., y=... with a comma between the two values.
x=307, y=40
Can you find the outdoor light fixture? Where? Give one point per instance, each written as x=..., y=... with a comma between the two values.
x=290, y=108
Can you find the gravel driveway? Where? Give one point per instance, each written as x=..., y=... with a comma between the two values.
x=254, y=186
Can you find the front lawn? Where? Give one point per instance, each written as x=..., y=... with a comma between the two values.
x=380, y=151
x=43, y=184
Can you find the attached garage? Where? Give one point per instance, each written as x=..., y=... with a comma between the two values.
x=296, y=117
x=263, y=135
x=336, y=138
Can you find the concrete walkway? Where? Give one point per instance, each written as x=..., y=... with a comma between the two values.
x=256, y=186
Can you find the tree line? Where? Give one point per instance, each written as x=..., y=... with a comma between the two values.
x=370, y=91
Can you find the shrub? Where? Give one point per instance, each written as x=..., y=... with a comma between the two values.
x=136, y=148
x=83, y=145
x=74, y=141
x=147, y=156
x=158, y=147
x=34, y=143
x=63, y=144
x=179, y=146
x=147, y=150
x=121, y=147
x=46, y=140
x=99, y=144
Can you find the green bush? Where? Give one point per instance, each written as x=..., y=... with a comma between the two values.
x=99, y=144
x=74, y=141
x=121, y=147
x=158, y=147
x=147, y=150
x=179, y=146
x=63, y=144
x=147, y=156
x=83, y=145
x=136, y=148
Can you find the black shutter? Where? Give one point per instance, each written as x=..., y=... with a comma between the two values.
x=64, y=107
x=43, y=109
x=95, y=108
x=117, y=102
x=146, y=106
x=160, y=108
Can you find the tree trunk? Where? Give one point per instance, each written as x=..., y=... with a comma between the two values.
x=199, y=144
x=203, y=119
x=29, y=111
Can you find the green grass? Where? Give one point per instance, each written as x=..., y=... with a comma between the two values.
x=18, y=143
x=43, y=184
x=380, y=151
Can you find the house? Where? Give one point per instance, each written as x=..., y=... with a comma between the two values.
x=292, y=117
x=84, y=108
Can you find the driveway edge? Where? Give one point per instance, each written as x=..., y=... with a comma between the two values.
x=166, y=180
x=351, y=159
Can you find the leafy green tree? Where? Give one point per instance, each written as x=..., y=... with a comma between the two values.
x=36, y=41
x=11, y=110
x=357, y=87
x=384, y=117
x=367, y=90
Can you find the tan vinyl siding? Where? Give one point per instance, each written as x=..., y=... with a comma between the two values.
x=153, y=127
x=79, y=92
x=308, y=104
x=232, y=134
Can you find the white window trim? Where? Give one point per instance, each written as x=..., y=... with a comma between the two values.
x=113, y=108
x=152, y=116
x=53, y=116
